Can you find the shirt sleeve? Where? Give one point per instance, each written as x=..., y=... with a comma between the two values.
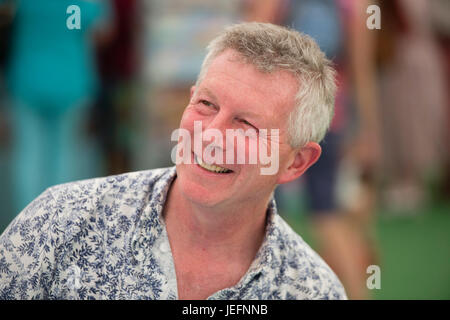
x=27, y=251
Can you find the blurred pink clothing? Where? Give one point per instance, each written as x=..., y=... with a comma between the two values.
x=413, y=99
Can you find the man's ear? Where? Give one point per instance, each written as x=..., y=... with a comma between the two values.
x=304, y=158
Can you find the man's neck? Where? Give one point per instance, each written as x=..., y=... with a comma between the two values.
x=236, y=231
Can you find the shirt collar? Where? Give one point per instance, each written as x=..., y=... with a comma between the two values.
x=151, y=225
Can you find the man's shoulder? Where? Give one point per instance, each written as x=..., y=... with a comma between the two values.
x=311, y=275
x=144, y=178
x=138, y=183
x=74, y=221
x=72, y=206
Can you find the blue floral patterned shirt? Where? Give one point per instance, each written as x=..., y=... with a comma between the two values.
x=105, y=238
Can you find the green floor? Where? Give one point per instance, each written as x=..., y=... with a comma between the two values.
x=415, y=253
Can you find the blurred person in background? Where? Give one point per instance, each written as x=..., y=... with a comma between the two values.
x=415, y=119
x=51, y=79
x=340, y=187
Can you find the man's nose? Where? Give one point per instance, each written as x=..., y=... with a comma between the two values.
x=215, y=138
x=221, y=122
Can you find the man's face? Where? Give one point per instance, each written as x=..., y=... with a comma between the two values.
x=235, y=95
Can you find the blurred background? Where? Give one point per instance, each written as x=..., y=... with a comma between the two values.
x=104, y=99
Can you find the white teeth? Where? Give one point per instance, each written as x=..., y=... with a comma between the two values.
x=211, y=167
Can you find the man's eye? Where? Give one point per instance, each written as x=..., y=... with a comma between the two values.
x=206, y=103
x=248, y=124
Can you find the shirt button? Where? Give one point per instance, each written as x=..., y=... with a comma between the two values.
x=164, y=247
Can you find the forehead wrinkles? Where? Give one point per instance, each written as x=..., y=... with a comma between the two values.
x=245, y=87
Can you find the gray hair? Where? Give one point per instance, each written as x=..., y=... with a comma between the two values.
x=271, y=48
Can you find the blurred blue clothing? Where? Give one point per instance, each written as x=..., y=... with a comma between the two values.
x=51, y=77
x=49, y=149
x=322, y=20
x=319, y=19
x=51, y=67
x=321, y=178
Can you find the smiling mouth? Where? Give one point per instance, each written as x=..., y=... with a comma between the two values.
x=211, y=167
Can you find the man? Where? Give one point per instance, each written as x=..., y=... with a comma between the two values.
x=201, y=229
